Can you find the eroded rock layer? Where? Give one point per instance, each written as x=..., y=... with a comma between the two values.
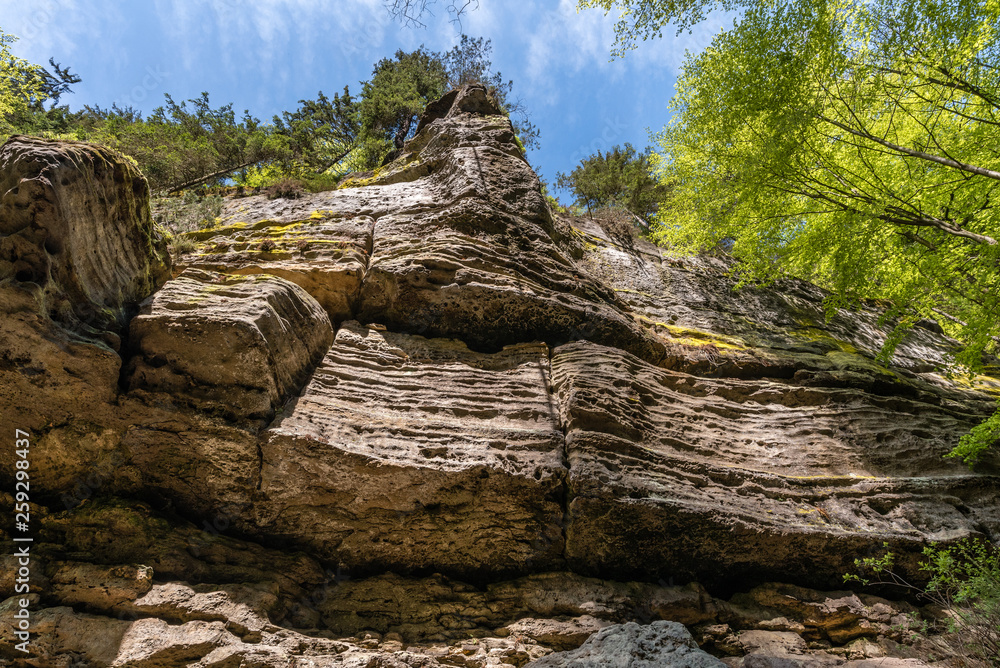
x=232, y=344
x=421, y=421
x=419, y=454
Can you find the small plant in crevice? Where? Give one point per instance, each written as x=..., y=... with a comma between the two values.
x=181, y=245
x=302, y=246
x=267, y=246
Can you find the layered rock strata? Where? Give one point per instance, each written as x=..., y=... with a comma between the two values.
x=421, y=410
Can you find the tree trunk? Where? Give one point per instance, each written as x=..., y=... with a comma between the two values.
x=404, y=130
x=208, y=177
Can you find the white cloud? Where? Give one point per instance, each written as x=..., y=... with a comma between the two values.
x=47, y=28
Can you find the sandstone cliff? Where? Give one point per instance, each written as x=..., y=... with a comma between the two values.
x=421, y=421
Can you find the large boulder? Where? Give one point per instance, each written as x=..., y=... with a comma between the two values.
x=78, y=252
x=661, y=644
x=77, y=232
x=238, y=345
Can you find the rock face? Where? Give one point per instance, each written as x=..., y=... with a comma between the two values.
x=400, y=442
x=661, y=644
x=77, y=231
x=421, y=420
x=233, y=344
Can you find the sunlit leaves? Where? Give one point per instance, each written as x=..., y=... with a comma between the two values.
x=21, y=84
x=855, y=144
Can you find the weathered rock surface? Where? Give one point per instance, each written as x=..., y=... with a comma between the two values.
x=237, y=345
x=76, y=231
x=416, y=419
x=414, y=454
x=78, y=252
x=557, y=633
x=661, y=644
x=326, y=253
x=747, y=476
x=440, y=608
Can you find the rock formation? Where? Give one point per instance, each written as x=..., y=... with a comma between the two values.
x=420, y=420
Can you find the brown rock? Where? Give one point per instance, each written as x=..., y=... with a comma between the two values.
x=78, y=251
x=422, y=608
x=77, y=232
x=242, y=608
x=99, y=588
x=61, y=638
x=151, y=643
x=326, y=253
x=582, y=402
x=839, y=616
x=771, y=642
x=236, y=345
x=558, y=634
x=480, y=263
x=102, y=532
x=675, y=475
x=406, y=453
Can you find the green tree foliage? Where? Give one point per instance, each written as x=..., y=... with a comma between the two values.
x=182, y=145
x=397, y=93
x=621, y=177
x=35, y=117
x=852, y=143
x=646, y=19
x=469, y=62
x=22, y=84
x=321, y=132
x=964, y=579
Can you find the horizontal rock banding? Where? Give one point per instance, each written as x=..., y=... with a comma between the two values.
x=234, y=344
x=675, y=475
x=409, y=454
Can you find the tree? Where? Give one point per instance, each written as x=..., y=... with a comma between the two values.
x=21, y=84
x=399, y=90
x=851, y=143
x=469, y=62
x=186, y=144
x=321, y=132
x=646, y=19
x=622, y=177
x=411, y=12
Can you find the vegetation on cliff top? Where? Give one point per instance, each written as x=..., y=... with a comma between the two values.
x=187, y=144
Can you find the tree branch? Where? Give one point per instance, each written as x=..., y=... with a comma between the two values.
x=208, y=177
x=947, y=162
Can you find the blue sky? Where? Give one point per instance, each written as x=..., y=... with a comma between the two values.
x=265, y=55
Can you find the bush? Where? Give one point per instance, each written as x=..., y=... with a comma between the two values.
x=285, y=189
x=318, y=183
x=965, y=584
x=181, y=245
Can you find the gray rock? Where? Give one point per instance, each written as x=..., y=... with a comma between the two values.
x=661, y=644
